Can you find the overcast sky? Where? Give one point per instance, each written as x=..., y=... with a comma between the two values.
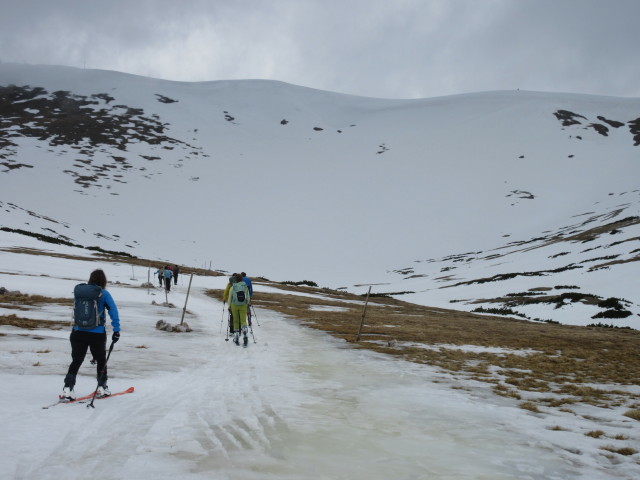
x=378, y=48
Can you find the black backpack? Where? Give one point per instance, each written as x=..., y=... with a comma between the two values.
x=85, y=306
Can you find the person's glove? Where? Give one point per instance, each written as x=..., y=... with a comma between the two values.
x=115, y=337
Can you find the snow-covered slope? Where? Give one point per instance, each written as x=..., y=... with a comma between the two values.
x=293, y=183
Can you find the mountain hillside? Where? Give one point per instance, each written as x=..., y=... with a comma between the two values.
x=518, y=202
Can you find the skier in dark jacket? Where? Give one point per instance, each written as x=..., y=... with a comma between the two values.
x=94, y=339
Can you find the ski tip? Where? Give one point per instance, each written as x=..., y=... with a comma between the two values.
x=130, y=390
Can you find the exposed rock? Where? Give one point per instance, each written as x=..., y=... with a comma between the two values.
x=568, y=118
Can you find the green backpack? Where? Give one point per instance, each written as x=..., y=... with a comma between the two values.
x=239, y=293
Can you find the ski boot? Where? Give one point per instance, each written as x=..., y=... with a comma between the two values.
x=103, y=391
x=67, y=394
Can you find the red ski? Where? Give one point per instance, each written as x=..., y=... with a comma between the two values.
x=89, y=397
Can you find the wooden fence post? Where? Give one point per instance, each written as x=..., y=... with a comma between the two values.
x=186, y=300
x=364, y=310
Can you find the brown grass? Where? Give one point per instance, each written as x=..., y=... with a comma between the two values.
x=504, y=391
x=31, y=324
x=19, y=300
x=538, y=357
x=627, y=451
x=532, y=407
x=635, y=414
x=24, y=302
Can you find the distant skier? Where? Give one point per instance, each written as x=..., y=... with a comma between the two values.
x=176, y=271
x=237, y=293
x=89, y=332
x=167, y=278
x=247, y=280
x=225, y=298
x=160, y=274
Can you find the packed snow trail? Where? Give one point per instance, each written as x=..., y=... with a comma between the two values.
x=295, y=405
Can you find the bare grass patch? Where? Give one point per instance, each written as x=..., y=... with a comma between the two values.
x=17, y=299
x=627, y=451
x=31, y=324
x=634, y=414
x=532, y=407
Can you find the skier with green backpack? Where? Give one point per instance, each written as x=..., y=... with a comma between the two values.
x=237, y=293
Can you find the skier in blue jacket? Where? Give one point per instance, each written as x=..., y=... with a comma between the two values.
x=247, y=280
x=167, y=278
x=160, y=274
x=94, y=339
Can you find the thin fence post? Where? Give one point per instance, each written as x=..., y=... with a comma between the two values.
x=186, y=299
x=364, y=311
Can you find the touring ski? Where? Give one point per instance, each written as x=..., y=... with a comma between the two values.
x=85, y=398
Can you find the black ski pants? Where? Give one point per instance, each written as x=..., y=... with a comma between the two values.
x=80, y=343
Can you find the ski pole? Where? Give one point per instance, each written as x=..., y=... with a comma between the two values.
x=222, y=319
x=254, y=337
x=229, y=326
x=104, y=369
x=254, y=314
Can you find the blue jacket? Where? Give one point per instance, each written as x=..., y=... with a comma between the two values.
x=247, y=280
x=106, y=300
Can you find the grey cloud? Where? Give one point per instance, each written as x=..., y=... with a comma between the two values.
x=399, y=49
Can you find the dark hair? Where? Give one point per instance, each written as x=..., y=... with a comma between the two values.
x=243, y=274
x=99, y=278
